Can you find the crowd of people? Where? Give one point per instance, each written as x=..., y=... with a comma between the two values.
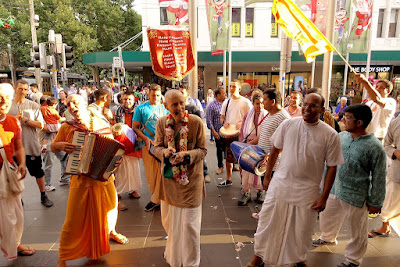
x=312, y=165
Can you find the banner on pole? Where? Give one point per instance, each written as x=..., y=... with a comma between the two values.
x=171, y=51
x=361, y=26
x=316, y=11
x=297, y=26
x=218, y=24
x=342, y=25
x=177, y=11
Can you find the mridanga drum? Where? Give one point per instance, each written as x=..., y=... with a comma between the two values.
x=229, y=134
x=249, y=157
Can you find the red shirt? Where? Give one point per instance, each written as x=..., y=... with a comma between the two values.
x=128, y=119
x=10, y=130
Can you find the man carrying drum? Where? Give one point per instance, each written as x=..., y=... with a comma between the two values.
x=232, y=113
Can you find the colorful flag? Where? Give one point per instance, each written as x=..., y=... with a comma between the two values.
x=218, y=24
x=177, y=11
x=342, y=25
x=361, y=26
x=171, y=51
x=297, y=26
x=316, y=11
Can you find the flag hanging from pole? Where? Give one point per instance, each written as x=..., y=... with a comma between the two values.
x=177, y=11
x=361, y=26
x=297, y=26
x=218, y=25
x=316, y=11
x=342, y=25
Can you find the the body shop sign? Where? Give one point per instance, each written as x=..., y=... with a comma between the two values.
x=171, y=51
x=378, y=68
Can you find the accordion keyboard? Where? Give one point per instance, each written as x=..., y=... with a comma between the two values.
x=74, y=158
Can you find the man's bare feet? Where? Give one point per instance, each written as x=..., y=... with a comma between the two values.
x=255, y=261
x=25, y=250
x=119, y=238
x=61, y=263
x=384, y=231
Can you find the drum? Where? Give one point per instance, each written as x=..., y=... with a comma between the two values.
x=249, y=157
x=229, y=134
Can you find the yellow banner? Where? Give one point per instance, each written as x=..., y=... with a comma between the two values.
x=249, y=29
x=235, y=29
x=297, y=26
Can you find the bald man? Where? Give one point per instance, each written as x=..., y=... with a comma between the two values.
x=293, y=199
x=180, y=143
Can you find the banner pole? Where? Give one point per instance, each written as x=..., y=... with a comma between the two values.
x=346, y=72
x=224, y=70
x=193, y=76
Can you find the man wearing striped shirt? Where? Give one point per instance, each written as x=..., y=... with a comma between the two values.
x=213, y=116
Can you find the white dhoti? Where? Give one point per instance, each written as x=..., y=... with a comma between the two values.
x=182, y=226
x=391, y=205
x=127, y=176
x=331, y=220
x=284, y=232
x=11, y=225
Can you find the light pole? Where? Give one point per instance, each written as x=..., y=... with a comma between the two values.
x=11, y=64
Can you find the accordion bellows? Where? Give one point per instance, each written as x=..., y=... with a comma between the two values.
x=96, y=156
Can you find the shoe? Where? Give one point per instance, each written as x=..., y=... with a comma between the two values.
x=347, y=264
x=225, y=183
x=374, y=233
x=320, y=242
x=151, y=206
x=122, y=206
x=212, y=142
x=235, y=169
x=219, y=171
x=46, y=201
x=49, y=188
x=246, y=198
x=260, y=197
x=207, y=179
x=64, y=182
x=134, y=195
x=255, y=215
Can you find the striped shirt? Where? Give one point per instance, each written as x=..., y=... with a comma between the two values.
x=213, y=115
x=268, y=127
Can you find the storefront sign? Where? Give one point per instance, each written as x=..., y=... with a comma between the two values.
x=249, y=29
x=379, y=68
x=171, y=51
x=236, y=29
x=274, y=29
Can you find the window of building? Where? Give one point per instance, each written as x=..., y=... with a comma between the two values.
x=274, y=26
x=380, y=23
x=236, y=22
x=163, y=16
x=393, y=23
x=249, y=22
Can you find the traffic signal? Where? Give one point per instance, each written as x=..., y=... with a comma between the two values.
x=40, y=56
x=68, y=57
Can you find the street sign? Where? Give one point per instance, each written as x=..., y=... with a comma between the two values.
x=117, y=62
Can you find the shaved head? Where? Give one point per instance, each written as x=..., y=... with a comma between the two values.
x=173, y=94
x=175, y=103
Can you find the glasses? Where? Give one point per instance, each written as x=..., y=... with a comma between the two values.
x=311, y=105
x=349, y=118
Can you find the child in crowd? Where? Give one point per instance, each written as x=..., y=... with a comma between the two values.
x=51, y=117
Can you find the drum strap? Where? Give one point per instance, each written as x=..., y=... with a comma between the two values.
x=245, y=139
x=226, y=109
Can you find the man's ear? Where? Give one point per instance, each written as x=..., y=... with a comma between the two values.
x=360, y=123
x=165, y=105
x=322, y=110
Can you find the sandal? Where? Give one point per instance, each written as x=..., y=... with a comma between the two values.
x=219, y=171
x=374, y=233
x=28, y=251
x=134, y=195
x=119, y=238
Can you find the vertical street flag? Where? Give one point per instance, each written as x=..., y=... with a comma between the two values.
x=171, y=51
x=297, y=26
x=218, y=24
x=177, y=11
x=316, y=11
x=361, y=26
x=342, y=25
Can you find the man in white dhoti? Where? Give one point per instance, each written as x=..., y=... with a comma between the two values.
x=293, y=200
x=390, y=214
x=12, y=215
x=180, y=143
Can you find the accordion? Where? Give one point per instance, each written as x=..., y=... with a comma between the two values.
x=96, y=156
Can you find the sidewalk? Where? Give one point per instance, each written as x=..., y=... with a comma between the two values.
x=224, y=225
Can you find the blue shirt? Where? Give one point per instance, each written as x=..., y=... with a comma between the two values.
x=196, y=102
x=362, y=177
x=213, y=114
x=148, y=114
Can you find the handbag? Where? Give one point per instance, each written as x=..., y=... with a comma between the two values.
x=10, y=178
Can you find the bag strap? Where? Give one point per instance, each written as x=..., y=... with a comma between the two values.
x=245, y=139
x=144, y=125
x=226, y=109
x=2, y=152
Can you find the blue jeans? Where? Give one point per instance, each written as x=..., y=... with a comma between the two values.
x=48, y=163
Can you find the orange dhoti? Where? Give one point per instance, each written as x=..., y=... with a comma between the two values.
x=91, y=215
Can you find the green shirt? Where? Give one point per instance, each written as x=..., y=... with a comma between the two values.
x=362, y=177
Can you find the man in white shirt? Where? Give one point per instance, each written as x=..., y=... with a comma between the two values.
x=382, y=106
x=232, y=112
x=293, y=200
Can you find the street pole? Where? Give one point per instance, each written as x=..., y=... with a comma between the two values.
x=53, y=55
x=312, y=74
x=224, y=70
x=230, y=50
x=193, y=83
x=282, y=66
x=11, y=64
x=346, y=73
x=34, y=42
x=328, y=57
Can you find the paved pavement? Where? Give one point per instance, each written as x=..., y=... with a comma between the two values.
x=224, y=225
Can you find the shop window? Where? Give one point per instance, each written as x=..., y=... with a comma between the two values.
x=163, y=16
x=380, y=23
x=249, y=22
x=393, y=23
x=274, y=27
x=236, y=22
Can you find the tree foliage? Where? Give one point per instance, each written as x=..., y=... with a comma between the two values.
x=88, y=26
